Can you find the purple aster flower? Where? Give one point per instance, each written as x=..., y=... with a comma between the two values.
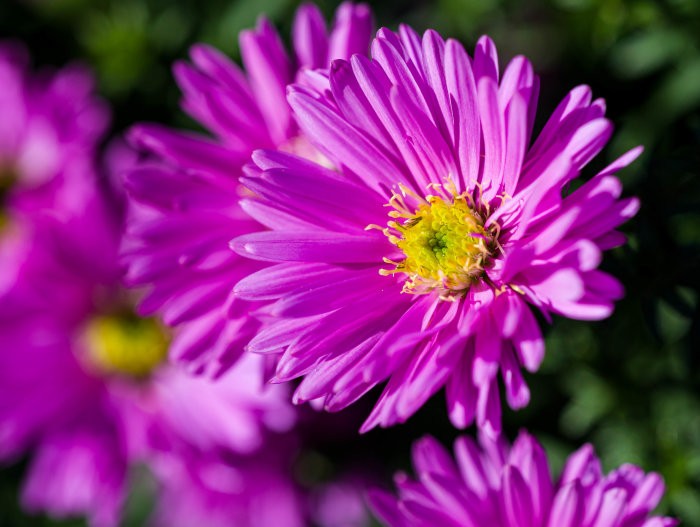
x=51, y=123
x=186, y=193
x=495, y=485
x=419, y=258
x=83, y=384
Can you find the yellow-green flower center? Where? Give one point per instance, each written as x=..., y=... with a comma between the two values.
x=129, y=345
x=444, y=242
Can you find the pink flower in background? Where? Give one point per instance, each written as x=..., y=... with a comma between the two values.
x=255, y=491
x=185, y=194
x=419, y=259
x=83, y=384
x=51, y=123
x=492, y=484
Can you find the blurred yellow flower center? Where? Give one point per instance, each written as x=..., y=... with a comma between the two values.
x=444, y=242
x=125, y=345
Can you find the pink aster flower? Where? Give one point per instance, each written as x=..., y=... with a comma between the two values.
x=83, y=384
x=420, y=259
x=495, y=485
x=51, y=123
x=185, y=194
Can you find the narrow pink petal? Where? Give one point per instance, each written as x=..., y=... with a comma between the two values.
x=276, y=217
x=528, y=341
x=467, y=130
x=351, y=32
x=648, y=494
x=434, y=61
x=577, y=99
x=461, y=393
x=277, y=280
x=582, y=465
x=269, y=70
x=218, y=66
x=517, y=501
x=310, y=246
x=412, y=46
x=568, y=506
x=519, y=79
x=487, y=354
x=429, y=456
x=507, y=309
x=309, y=37
x=612, y=508
x=621, y=162
x=275, y=336
x=516, y=140
x=493, y=128
x=485, y=60
x=488, y=409
x=517, y=392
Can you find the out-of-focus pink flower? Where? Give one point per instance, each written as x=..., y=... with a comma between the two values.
x=84, y=388
x=492, y=484
x=185, y=194
x=420, y=258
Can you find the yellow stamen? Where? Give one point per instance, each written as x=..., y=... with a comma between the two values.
x=444, y=241
x=125, y=345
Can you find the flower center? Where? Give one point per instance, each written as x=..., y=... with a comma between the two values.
x=444, y=241
x=126, y=345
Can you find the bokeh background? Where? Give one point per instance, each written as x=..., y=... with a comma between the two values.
x=630, y=384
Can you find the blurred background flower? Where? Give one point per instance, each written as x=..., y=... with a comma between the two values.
x=629, y=384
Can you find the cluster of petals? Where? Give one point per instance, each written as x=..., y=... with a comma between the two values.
x=501, y=486
x=422, y=115
x=185, y=193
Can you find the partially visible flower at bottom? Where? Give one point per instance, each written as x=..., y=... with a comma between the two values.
x=500, y=486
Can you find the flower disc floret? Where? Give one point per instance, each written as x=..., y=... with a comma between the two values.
x=444, y=241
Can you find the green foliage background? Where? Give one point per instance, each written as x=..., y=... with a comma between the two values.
x=629, y=384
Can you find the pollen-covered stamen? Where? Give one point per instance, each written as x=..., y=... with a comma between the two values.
x=126, y=345
x=444, y=240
